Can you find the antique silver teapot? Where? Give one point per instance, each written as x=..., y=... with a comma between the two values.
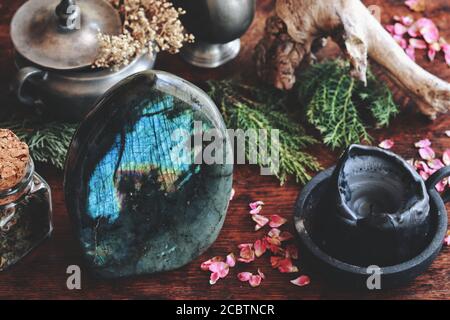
x=56, y=44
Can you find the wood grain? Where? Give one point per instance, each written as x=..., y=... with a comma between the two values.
x=42, y=275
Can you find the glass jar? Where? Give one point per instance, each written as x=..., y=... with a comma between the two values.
x=25, y=217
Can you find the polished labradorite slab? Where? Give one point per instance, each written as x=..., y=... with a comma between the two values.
x=141, y=201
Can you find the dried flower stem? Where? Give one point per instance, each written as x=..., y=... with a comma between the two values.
x=148, y=26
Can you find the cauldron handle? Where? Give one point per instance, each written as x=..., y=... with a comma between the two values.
x=436, y=177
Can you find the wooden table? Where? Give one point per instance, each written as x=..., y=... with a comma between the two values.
x=42, y=275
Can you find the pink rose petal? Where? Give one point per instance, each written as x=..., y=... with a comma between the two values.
x=447, y=240
x=274, y=233
x=428, y=30
x=275, y=241
x=286, y=266
x=245, y=245
x=301, y=281
x=407, y=20
x=285, y=235
x=205, y=265
x=261, y=274
x=244, y=276
x=422, y=143
x=399, y=29
x=275, y=261
x=256, y=204
x=213, y=278
x=260, y=248
x=255, y=281
x=441, y=185
x=390, y=28
x=247, y=254
x=231, y=260
x=291, y=252
x=276, y=221
x=416, y=5
x=386, y=144
x=446, y=157
x=424, y=175
x=257, y=210
x=413, y=31
x=431, y=54
x=401, y=41
x=446, y=50
x=221, y=268
x=411, y=52
x=261, y=221
x=418, y=44
x=435, y=164
x=427, y=153
x=447, y=133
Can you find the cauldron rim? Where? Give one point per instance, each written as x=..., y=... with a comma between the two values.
x=405, y=270
x=361, y=150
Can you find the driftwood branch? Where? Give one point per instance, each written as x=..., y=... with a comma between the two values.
x=290, y=36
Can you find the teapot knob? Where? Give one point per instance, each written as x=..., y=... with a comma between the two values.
x=68, y=13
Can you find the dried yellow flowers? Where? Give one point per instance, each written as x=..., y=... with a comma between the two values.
x=148, y=26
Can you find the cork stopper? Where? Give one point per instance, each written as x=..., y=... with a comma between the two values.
x=14, y=159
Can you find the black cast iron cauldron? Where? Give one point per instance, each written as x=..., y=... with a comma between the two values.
x=371, y=212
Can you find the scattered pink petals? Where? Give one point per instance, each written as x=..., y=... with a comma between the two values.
x=231, y=260
x=447, y=239
x=400, y=29
x=424, y=175
x=255, y=281
x=256, y=204
x=423, y=143
x=276, y=221
x=390, y=28
x=213, y=278
x=301, y=281
x=260, y=248
x=411, y=52
x=261, y=274
x=418, y=44
x=441, y=185
x=275, y=261
x=291, y=251
x=205, y=265
x=221, y=268
x=401, y=41
x=446, y=50
x=285, y=236
x=427, y=153
x=435, y=164
x=428, y=30
x=261, y=221
x=431, y=54
x=446, y=157
x=247, y=254
x=286, y=266
x=386, y=144
x=257, y=210
x=244, y=276
x=416, y=5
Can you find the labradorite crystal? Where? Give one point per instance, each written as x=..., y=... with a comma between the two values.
x=140, y=199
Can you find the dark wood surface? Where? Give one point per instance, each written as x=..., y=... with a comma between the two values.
x=42, y=275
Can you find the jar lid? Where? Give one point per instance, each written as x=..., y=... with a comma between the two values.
x=62, y=34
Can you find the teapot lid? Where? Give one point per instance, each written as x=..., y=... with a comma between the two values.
x=62, y=34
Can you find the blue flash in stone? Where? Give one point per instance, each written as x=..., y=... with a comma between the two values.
x=147, y=146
